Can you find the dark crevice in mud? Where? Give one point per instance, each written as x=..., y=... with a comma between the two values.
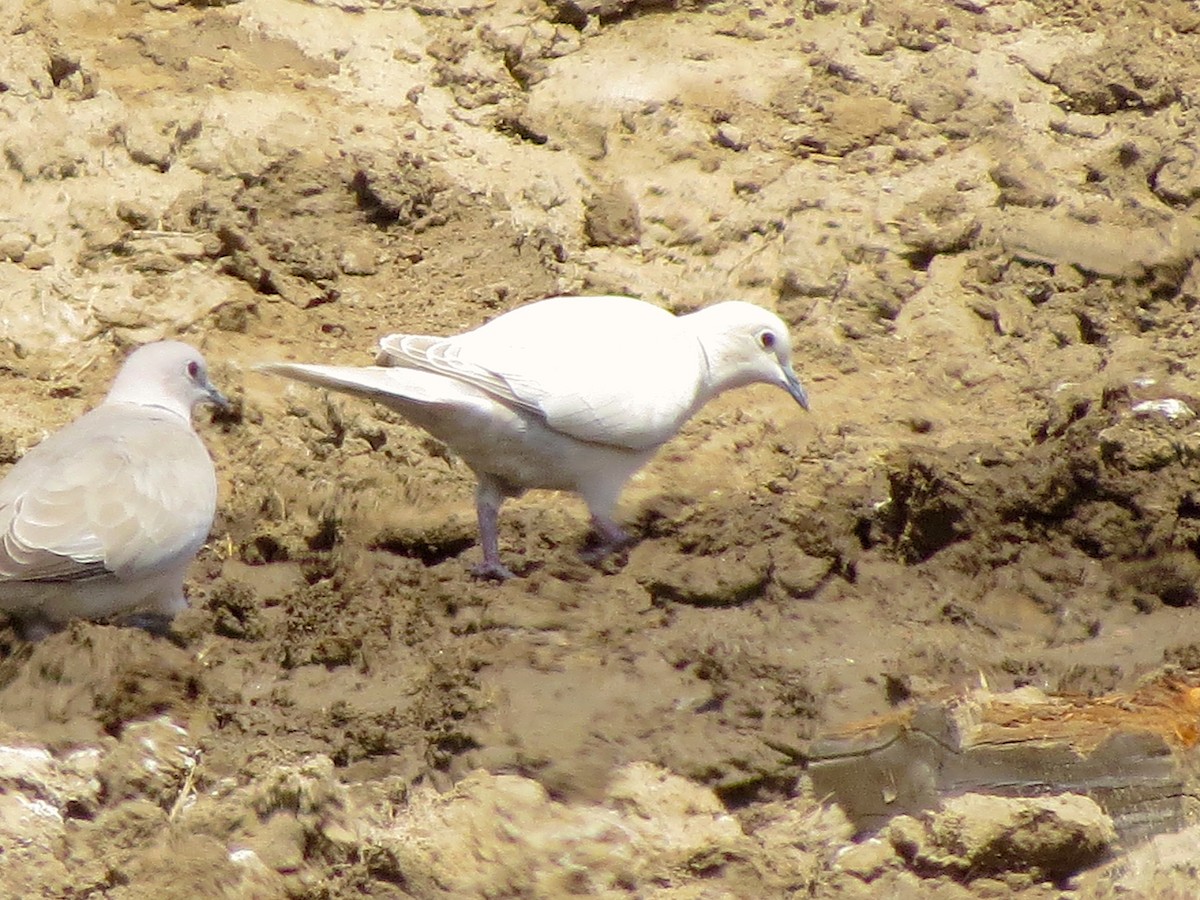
x=427, y=552
x=763, y=789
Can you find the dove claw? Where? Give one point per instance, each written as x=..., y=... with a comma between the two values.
x=491, y=571
x=610, y=538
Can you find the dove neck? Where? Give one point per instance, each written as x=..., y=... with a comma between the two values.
x=146, y=393
x=720, y=367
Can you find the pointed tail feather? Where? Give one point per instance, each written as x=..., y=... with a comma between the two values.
x=391, y=386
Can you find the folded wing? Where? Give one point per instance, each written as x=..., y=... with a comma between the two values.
x=607, y=370
x=118, y=491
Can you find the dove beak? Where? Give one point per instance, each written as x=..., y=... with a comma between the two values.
x=216, y=398
x=792, y=385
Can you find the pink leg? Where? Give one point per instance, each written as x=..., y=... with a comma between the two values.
x=35, y=628
x=611, y=538
x=487, y=508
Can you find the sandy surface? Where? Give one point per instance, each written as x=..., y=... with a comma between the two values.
x=978, y=219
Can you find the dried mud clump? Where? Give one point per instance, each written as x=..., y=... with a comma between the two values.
x=977, y=220
x=974, y=836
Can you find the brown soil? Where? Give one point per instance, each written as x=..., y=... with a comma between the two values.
x=977, y=217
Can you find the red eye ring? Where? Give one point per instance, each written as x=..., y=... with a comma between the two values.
x=193, y=370
x=767, y=339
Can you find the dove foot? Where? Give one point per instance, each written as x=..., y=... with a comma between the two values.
x=492, y=571
x=35, y=628
x=154, y=623
x=610, y=538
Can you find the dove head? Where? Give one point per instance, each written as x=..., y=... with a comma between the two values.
x=167, y=374
x=746, y=344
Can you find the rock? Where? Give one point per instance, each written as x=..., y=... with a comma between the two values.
x=577, y=12
x=937, y=89
x=154, y=761
x=61, y=782
x=1164, y=866
x=110, y=845
x=39, y=792
x=1107, y=249
x=428, y=538
x=867, y=860
x=1080, y=125
x=1142, y=444
x=505, y=829
x=802, y=839
x=672, y=815
x=733, y=578
x=302, y=814
x=1177, y=178
x=1123, y=74
x=939, y=221
x=38, y=258
x=13, y=246
x=1170, y=408
x=46, y=146
x=148, y=144
x=1023, y=183
x=31, y=832
x=404, y=190
x=277, y=844
x=236, y=611
x=358, y=260
x=731, y=138
x=611, y=218
x=177, y=248
x=976, y=835
x=25, y=66
x=308, y=789
x=809, y=269
x=135, y=213
x=852, y=122
x=798, y=573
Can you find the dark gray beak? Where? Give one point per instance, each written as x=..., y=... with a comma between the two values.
x=216, y=398
x=793, y=386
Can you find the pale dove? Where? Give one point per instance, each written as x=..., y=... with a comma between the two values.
x=105, y=516
x=569, y=393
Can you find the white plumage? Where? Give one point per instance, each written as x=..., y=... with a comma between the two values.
x=569, y=393
x=106, y=515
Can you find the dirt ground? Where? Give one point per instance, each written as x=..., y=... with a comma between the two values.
x=978, y=219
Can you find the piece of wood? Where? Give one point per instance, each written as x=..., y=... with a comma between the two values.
x=1134, y=754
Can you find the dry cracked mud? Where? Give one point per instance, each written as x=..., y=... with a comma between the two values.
x=979, y=219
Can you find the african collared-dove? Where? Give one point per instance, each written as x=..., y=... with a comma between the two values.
x=569, y=393
x=105, y=516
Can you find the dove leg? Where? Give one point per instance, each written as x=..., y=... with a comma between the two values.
x=610, y=538
x=488, y=498
x=35, y=628
x=154, y=623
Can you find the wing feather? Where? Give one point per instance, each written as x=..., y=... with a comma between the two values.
x=607, y=370
x=123, y=489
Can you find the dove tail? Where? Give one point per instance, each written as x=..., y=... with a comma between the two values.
x=391, y=386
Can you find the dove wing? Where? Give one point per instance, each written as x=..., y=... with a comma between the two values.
x=121, y=490
x=607, y=370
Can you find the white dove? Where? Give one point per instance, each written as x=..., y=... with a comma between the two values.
x=106, y=515
x=569, y=393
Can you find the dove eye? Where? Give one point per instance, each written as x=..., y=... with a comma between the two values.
x=767, y=339
x=193, y=370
